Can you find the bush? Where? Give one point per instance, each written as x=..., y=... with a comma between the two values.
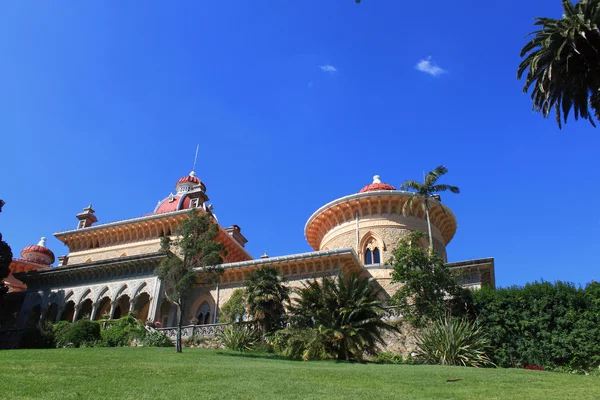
x=156, y=339
x=80, y=333
x=234, y=309
x=554, y=325
x=454, y=341
x=239, y=337
x=122, y=332
x=387, y=357
x=42, y=337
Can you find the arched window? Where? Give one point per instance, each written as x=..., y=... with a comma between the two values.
x=376, y=258
x=368, y=257
x=204, y=314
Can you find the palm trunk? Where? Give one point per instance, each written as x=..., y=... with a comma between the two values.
x=429, y=236
x=179, y=323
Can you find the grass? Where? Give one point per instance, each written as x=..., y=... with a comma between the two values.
x=158, y=373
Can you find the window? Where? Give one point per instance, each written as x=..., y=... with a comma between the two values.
x=372, y=252
x=368, y=257
x=376, y=259
x=194, y=203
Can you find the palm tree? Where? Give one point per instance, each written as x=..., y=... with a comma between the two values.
x=265, y=296
x=425, y=192
x=337, y=318
x=563, y=63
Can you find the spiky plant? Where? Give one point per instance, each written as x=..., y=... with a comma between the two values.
x=563, y=63
x=265, y=295
x=239, y=337
x=454, y=341
x=337, y=318
x=424, y=192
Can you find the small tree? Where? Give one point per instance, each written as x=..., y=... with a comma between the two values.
x=234, y=309
x=429, y=289
x=266, y=295
x=194, y=246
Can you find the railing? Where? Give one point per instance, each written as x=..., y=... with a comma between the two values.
x=201, y=331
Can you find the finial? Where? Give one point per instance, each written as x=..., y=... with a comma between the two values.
x=193, y=173
x=265, y=255
x=42, y=242
x=376, y=179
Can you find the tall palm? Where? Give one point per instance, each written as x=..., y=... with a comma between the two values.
x=425, y=192
x=265, y=296
x=340, y=317
x=563, y=63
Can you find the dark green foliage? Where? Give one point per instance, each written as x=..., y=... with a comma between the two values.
x=122, y=332
x=387, y=357
x=563, y=63
x=454, y=341
x=156, y=339
x=265, y=296
x=429, y=289
x=194, y=247
x=239, y=337
x=337, y=318
x=40, y=337
x=234, y=309
x=80, y=333
x=552, y=325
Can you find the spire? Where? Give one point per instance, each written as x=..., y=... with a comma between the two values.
x=42, y=242
x=265, y=255
x=193, y=173
x=376, y=179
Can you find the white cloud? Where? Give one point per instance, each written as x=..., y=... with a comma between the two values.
x=429, y=67
x=328, y=68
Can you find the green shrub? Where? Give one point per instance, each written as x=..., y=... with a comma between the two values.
x=80, y=333
x=41, y=337
x=387, y=357
x=234, y=309
x=156, y=339
x=554, y=325
x=453, y=341
x=122, y=332
x=239, y=337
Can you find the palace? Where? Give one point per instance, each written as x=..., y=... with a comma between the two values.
x=109, y=270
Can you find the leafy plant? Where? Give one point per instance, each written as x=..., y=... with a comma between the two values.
x=234, y=309
x=337, y=318
x=156, y=339
x=77, y=334
x=266, y=294
x=239, y=337
x=122, y=332
x=454, y=341
x=429, y=290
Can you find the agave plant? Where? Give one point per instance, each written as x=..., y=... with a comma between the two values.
x=239, y=337
x=563, y=63
x=453, y=341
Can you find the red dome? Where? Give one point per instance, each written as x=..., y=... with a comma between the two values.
x=189, y=178
x=377, y=185
x=38, y=253
x=172, y=204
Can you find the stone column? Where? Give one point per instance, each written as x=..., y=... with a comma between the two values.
x=155, y=301
x=113, y=305
x=94, y=311
x=76, y=313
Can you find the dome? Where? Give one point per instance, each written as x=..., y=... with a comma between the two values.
x=38, y=254
x=172, y=203
x=186, y=183
x=376, y=185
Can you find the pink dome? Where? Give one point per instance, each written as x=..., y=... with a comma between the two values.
x=376, y=185
x=38, y=254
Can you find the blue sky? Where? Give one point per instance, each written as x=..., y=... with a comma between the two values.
x=293, y=104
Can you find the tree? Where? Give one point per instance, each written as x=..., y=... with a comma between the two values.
x=5, y=260
x=425, y=192
x=339, y=318
x=265, y=296
x=193, y=246
x=563, y=63
x=234, y=309
x=429, y=289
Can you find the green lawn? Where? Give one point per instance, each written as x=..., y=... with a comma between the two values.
x=159, y=373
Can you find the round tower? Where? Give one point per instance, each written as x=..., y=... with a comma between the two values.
x=373, y=220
